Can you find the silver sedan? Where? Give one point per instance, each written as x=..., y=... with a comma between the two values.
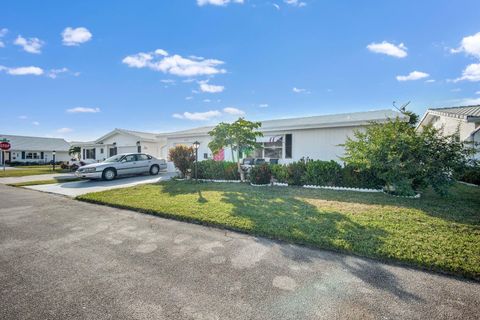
x=122, y=164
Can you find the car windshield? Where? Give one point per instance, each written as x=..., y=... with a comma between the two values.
x=116, y=158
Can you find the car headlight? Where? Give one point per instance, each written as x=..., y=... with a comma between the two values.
x=88, y=170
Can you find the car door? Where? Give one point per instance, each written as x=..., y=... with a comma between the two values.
x=143, y=162
x=127, y=165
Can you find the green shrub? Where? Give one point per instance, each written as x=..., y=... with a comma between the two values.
x=469, y=174
x=218, y=170
x=280, y=172
x=182, y=157
x=261, y=174
x=353, y=177
x=296, y=173
x=323, y=173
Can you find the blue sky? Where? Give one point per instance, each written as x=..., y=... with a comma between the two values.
x=79, y=69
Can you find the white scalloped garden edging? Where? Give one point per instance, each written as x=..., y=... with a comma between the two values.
x=310, y=186
x=280, y=184
x=260, y=185
x=214, y=180
x=416, y=196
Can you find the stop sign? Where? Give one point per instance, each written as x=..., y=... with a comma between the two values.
x=5, y=145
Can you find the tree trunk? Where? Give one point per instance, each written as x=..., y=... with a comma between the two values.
x=242, y=174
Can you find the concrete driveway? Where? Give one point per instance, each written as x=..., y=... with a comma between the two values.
x=76, y=188
x=64, y=259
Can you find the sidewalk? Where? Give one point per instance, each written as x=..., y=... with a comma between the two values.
x=38, y=177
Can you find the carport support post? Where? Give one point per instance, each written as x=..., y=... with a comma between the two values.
x=53, y=154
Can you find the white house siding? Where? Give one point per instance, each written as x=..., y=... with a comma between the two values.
x=16, y=156
x=320, y=144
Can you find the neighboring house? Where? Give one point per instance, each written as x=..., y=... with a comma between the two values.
x=462, y=120
x=35, y=149
x=285, y=140
x=120, y=141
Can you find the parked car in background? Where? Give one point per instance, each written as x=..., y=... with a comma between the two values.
x=75, y=164
x=121, y=165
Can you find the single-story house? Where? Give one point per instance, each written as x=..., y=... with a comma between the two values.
x=35, y=149
x=284, y=140
x=121, y=141
x=463, y=120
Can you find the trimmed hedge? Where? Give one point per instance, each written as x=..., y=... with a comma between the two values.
x=218, y=170
x=470, y=174
x=320, y=173
x=261, y=174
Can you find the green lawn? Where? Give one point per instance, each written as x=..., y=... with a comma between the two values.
x=22, y=171
x=435, y=233
x=40, y=182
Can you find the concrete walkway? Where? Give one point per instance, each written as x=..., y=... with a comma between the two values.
x=73, y=189
x=64, y=259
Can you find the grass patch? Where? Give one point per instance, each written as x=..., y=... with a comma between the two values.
x=434, y=233
x=22, y=171
x=40, y=182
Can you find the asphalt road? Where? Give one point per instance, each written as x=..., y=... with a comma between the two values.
x=63, y=259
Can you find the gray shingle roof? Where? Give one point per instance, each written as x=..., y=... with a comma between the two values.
x=25, y=143
x=463, y=112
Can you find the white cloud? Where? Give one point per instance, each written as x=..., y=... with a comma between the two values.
x=174, y=64
x=414, y=75
x=207, y=100
x=210, y=88
x=22, y=117
x=471, y=73
x=276, y=6
x=53, y=73
x=83, y=110
x=295, y=3
x=218, y=2
x=188, y=98
x=75, y=36
x=198, y=116
x=478, y=92
x=470, y=45
x=167, y=81
x=388, y=48
x=30, y=45
x=3, y=32
x=263, y=105
x=300, y=90
x=64, y=130
x=456, y=90
x=36, y=123
x=22, y=71
x=430, y=81
x=234, y=111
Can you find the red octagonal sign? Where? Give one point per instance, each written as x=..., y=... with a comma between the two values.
x=5, y=145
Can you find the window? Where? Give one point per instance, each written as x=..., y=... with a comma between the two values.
x=33, y=155
x=288, y=146
x=101, y=150
x=130, y=158
x=142, y=157
x=112, y=152
x=139, y=149
x=270, y=150
x=205, y=156
x=90, y=153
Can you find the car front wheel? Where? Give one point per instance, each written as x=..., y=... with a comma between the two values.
x=108, y=174
x=154, y=170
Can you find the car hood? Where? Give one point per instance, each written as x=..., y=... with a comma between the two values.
x=94, y=165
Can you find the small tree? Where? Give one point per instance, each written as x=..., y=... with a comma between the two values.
x=182, y=157
x=406, y=159
x=239, y=136
x=75, y=151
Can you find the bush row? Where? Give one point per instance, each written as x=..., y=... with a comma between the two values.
x=218, y=170
x=325, y=173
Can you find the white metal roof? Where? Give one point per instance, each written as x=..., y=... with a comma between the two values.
x=25, y=143
x=324, y=121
